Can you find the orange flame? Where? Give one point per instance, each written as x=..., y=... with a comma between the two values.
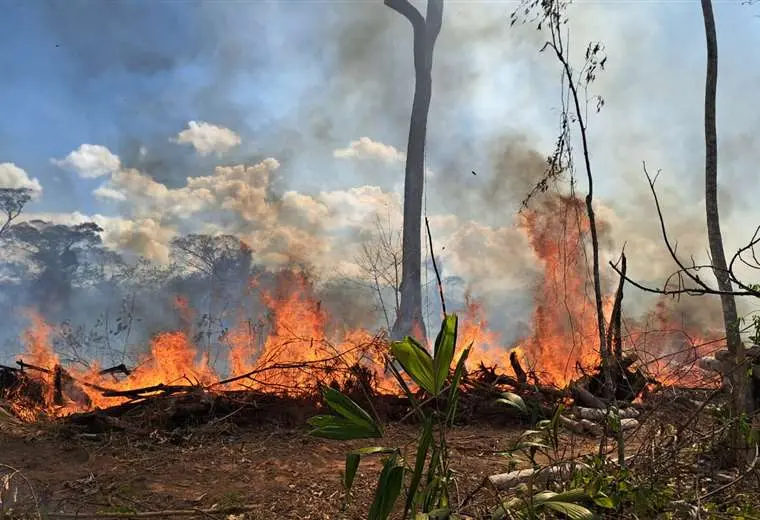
x=294, y=348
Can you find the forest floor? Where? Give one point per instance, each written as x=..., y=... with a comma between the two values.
x=279, y=473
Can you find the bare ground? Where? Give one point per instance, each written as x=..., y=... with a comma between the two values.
x=280, y=473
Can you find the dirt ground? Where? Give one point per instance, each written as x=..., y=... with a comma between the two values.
x=279, y=473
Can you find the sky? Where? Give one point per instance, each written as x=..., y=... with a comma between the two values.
x=285, y=123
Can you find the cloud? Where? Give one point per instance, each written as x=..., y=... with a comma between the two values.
x=11, y=176
x=207, y=138
x=366, y=148
x=90, y=161
x=104, y=192
x=240, y=200
x=144, y=237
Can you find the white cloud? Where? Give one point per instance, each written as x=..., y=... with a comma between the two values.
x=104, y=192
x=11, y=176
x=366, y=148
x=144, y=237
x=90, y=161
x=207, y=138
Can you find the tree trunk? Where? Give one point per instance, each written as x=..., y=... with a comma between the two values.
x=730, y=317
x=409, y=321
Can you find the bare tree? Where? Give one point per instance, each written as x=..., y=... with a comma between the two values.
x=730, y=316
x=380, y=260
x=409, y=319
x=686, y=279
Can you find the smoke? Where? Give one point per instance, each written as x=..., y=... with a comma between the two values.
x=310, y=108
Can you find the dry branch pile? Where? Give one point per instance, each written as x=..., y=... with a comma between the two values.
x=34, y=392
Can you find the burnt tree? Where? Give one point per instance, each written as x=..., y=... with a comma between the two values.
x=409, y=319
x=730, y=316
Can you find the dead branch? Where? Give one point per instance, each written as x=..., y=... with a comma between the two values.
x=435, y=266
x=614, y=333
x=160, y=388
x=701, y=287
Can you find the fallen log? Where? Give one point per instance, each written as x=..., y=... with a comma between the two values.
x=581, y=426
x=558, y=472
x=629, y=424
x=595, y=414
x=579, y=393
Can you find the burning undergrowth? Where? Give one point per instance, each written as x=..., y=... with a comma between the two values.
x=279, y=360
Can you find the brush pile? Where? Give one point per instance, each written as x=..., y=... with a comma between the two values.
x=34, y=393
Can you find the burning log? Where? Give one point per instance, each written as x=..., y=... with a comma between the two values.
x=64, y=385
x=148, y=391
x=122, y=368
x=522, y=377
x=15, y=384
x=58, y=385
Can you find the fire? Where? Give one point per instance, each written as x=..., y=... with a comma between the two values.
x=564, y=320
x=298, y=336
x=295, y=346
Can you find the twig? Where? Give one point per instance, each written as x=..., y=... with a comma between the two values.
x=283, y=366
x=738, y=479
x=15, y=472
x=435, y=266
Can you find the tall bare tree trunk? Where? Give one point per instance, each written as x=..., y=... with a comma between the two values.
x=730, y=317
x=409, y=320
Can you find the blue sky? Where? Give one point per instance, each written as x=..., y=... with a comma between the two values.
x=299, y=80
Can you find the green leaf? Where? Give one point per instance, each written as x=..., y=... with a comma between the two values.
x=513, y=400
x=571, y=495
x=445, y=344
x=339, y=429
x=352, y=462
x=442, y=513
x=352, y=465
x=353, y=423
x=451, y=406
x=419, y=464
x=604, y=501
x=572, y=511
x=416, y=361
x=348, y=409
x=388, y=489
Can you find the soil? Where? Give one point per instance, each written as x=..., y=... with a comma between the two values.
x=280, y=473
